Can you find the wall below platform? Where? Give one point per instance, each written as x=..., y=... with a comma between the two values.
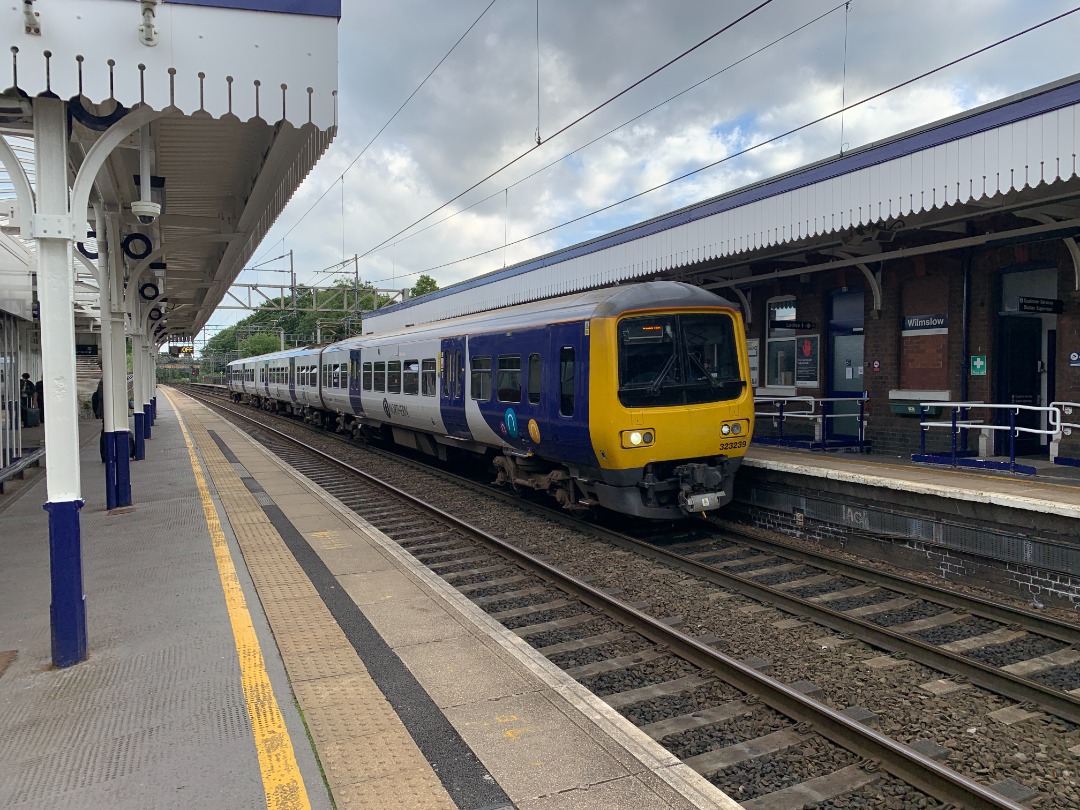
x=1022, y=554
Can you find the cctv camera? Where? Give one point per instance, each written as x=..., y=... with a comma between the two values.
x=146, y=211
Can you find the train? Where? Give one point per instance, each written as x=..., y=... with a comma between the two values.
x=634, y=398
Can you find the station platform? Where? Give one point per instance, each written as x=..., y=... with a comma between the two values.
x=254, y=644
x=1015, y=534
x=1054, y=489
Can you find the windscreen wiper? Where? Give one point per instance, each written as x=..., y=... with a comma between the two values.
x=654, y=387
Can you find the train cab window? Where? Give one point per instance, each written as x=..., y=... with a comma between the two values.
x=367, y=377
x=393, y=377
x=427, y=378
x=509, y=380
x=380, y=376
x=410, y=380
x=481, y=379
x=567, y=375
x=534, y=379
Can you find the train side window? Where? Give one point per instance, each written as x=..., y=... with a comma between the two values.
x=393, y=377
x=410, y=383
x=335, y=379
x=509, y=379
x=481, y=379
x=567, y=373
x=380, y=376
x=535, y=367
x=459, y=375
x=427, y=378
x=367, y=376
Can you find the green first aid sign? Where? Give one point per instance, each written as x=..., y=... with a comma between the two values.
x=978, y=365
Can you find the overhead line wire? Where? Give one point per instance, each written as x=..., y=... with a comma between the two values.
x=758, y=145
x=655, y=107
x=392, y=117
x=575, y=122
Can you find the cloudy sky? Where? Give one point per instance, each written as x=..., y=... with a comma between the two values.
x=785, y=65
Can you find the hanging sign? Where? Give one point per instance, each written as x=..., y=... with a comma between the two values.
x=791, y=325
x=1052, y=306
x=806, y=361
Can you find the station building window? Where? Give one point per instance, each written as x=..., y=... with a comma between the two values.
x=780, y=342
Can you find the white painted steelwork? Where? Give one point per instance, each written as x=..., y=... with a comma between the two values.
x=1026, y=143
x=221, y=61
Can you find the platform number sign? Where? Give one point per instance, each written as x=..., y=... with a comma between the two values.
x=978, y=365
x=1074, y=359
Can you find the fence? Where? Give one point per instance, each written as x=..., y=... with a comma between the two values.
x=820, y=414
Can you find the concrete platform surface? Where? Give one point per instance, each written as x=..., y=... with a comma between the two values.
x=393, y=689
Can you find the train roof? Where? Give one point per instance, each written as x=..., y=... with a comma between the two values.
x=602, y=303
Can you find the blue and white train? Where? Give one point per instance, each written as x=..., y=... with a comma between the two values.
x=635, y=398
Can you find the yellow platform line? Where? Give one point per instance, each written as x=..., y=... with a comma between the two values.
x=282, y=782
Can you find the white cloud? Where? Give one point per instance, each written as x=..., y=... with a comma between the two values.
x=479, y=111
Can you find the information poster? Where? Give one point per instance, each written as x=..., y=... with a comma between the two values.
x=752, y=353
x=806, y=361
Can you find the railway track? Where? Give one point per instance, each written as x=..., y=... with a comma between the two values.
x=721, y=714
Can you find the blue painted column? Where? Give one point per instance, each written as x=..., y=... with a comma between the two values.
x=111, y=499
x=67, y=613
x=122, y=451
x=148, y=418
x=140, y=436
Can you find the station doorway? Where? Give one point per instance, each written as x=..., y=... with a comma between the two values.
x=1026, y=348
x=845, y=348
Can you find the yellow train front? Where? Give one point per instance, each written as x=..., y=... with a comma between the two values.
x=657, y=419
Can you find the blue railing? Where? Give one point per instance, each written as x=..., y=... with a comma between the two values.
x=819, y=413
x=960, y=421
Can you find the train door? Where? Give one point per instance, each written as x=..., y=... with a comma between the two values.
x=567, y=379
x=1025, y=351
x=452, y=384
x=845, y=377
x=292, y=379
x=354, y=381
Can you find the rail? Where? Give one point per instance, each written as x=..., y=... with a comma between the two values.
x=820, y=413
x=960, y=421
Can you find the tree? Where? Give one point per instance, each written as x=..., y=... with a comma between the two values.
x=424, y=285
x=259, y=343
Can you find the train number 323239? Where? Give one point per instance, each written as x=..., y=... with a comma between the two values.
x=733, y=445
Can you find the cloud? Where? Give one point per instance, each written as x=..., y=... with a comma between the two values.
x=479, y=111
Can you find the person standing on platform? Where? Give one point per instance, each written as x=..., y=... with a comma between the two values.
x=26, y=396
x=97, y=405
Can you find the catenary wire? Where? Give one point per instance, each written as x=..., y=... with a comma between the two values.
x=758, y=145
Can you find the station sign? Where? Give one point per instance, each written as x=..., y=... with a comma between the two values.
x=791, y=324
x=1051, y=306
x=978, y=365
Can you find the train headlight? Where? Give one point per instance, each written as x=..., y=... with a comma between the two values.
x=736, y=428
x=637, y=438
x=725, y=429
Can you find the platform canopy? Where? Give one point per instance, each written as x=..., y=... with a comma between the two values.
x=237, y=101
x=1005, y=172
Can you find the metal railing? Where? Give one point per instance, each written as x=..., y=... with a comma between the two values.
x=820, y=413
x=1063, y=411
x=960, y=421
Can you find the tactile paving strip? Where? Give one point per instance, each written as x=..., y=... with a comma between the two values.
x=341, y=704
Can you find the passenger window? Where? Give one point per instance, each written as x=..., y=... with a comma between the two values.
x=367, y=376
x=481, y=379
x=393, y=377
x=380, y=376
x=427, y=380
x=534, y=379
x=410, y=383
x=567, y=372
x=444, y=373
x=509, y=379
x=459, y=375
